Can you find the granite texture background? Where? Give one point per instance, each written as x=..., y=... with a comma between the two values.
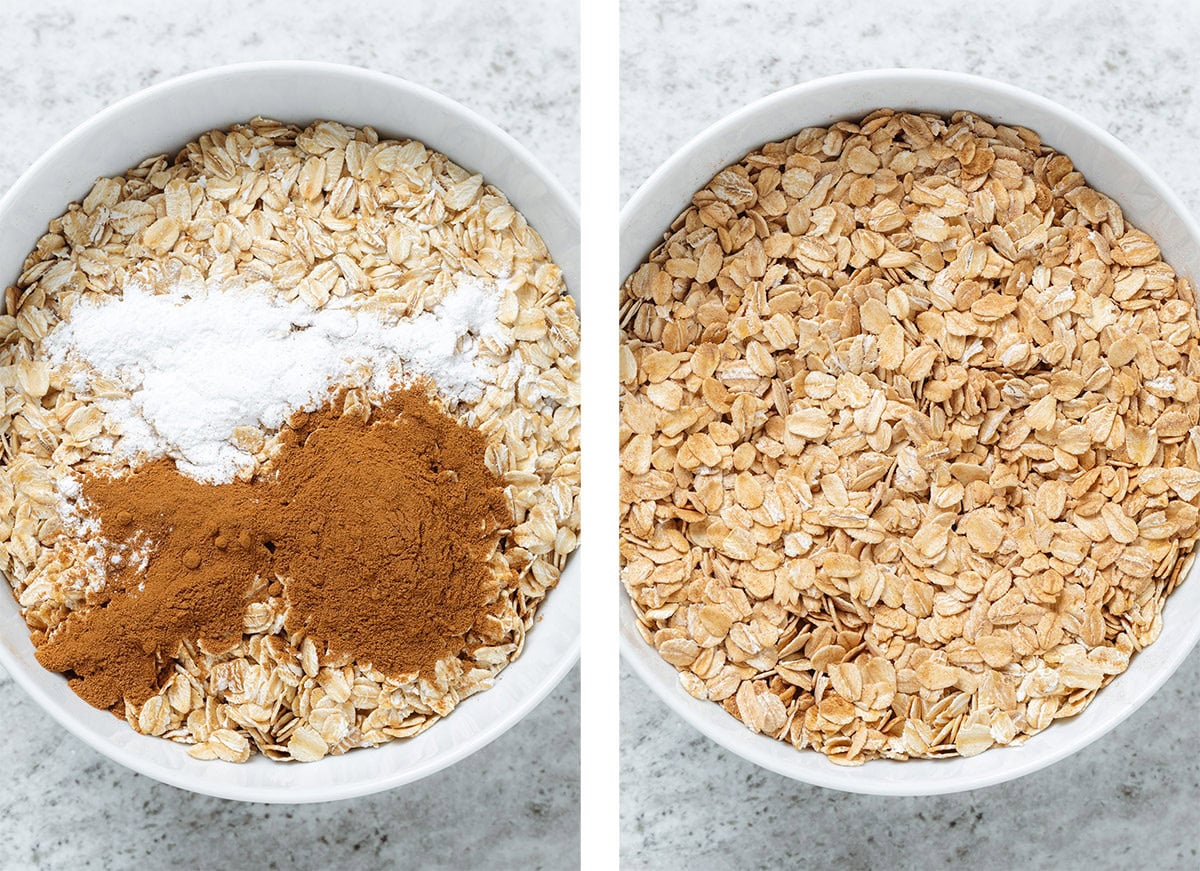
x=513, y=804
x=1132, y=799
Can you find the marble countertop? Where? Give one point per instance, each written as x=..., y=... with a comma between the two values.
x=515, y=803
x=1135, y=793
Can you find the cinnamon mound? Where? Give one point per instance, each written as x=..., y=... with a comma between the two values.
x=379, y=530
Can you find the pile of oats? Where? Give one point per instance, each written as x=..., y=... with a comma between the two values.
x=320, y=213
x=909, y=438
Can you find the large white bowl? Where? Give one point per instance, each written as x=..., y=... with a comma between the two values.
x=1109, y=167
x=162, y=119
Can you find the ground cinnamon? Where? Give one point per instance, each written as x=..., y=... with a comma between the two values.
x=378, y=530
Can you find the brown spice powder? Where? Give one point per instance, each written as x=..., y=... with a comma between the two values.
x=379, y=530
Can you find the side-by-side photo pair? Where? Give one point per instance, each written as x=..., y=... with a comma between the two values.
x=387, y=480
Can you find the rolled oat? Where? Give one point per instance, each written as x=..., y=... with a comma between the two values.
x=322, y=213
x=909, y=438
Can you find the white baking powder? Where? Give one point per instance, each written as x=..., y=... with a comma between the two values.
x=197, y=362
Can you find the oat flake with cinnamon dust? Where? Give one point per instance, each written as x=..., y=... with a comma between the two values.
x=332, y=541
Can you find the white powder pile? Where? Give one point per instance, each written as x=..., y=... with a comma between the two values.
x=197, y=362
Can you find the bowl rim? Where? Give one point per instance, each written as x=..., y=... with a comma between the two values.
x=644, y=660
x=183, y=778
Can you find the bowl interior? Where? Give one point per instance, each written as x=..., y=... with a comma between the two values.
x=162, y=119
x=1110, y=168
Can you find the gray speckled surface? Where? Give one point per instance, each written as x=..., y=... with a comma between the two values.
x=515, y=64
x=1132, y=799
x=515, y=803
x=686, y=63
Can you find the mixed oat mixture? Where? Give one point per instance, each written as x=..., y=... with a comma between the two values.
x=909, y=438
x=332, y=221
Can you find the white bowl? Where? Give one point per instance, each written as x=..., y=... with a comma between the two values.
x=162, y=119
x=1109, y=167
